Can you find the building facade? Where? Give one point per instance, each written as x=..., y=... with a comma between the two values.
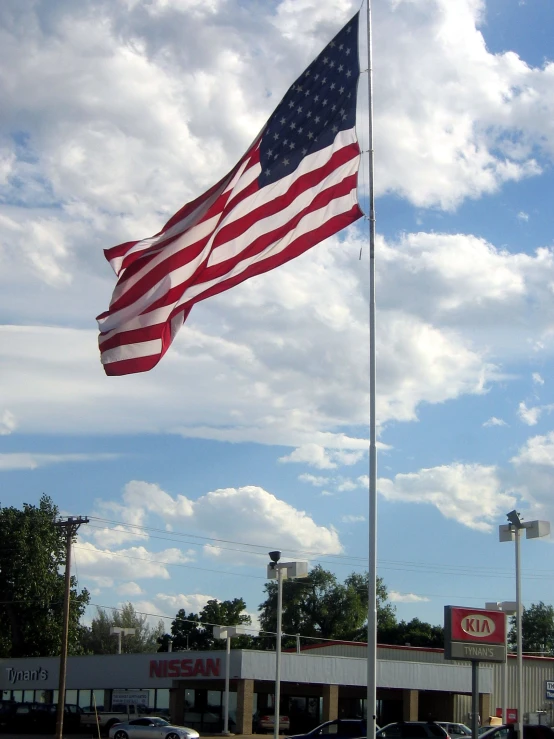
x=317, y=684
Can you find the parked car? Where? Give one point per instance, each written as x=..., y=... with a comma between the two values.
x=508, y=731
x=263, y=722
x=455, y=730
x=151, y=727
x=341, y=728
x=413, y=730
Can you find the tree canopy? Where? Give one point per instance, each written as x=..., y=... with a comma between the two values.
x=194, y=631
x=98, y=640
x=537, y=629
x=32, y=560
x=415, y=633
x=321, y=606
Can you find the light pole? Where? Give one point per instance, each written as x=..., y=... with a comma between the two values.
x=277, y=570
x=512, y=532
x=227, y=632
x=508, y=607
x=120, y=632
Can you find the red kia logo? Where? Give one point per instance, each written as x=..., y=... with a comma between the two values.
x=476, y=624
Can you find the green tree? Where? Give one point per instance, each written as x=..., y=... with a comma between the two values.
x=98, y=640
x=416, y=633
x=322, y=607
x=537, y=629
x=32, y=561
x=195, y=631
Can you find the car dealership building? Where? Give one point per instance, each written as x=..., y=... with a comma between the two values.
x=318, y=683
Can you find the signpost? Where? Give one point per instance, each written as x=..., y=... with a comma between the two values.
x=476, y=635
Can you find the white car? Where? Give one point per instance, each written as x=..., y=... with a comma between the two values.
x=151, y=727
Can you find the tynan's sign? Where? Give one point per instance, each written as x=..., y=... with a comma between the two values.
x=480, y=652
x=19, y=676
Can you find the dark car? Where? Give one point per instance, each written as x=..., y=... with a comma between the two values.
x=341, y=728
x=39, y=718
x=412, y=730
x=508, y=731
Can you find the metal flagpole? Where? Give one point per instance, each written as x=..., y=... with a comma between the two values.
x=372, y=584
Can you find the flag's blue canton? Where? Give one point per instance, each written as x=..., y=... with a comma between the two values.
x=321, y=103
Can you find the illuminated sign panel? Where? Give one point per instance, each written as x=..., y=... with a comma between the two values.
x=475, y=625
x=474, y=634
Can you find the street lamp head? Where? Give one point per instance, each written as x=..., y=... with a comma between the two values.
x=515, y=519
x=275, y=556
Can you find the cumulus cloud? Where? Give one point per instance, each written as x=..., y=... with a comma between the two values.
x=469, y=493
x=103, y=566
x=223, y=516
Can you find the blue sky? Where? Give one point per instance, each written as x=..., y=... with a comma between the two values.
x=251, y=434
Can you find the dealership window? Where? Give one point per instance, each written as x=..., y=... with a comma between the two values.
x=162, y=700
x=17, y=696
x=84, y=699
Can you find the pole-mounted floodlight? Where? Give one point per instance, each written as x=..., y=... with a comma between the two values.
x=277, y=570
x=120, y=631
x=512, y=532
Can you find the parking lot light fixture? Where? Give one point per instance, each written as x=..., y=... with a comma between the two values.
x=512, y=532
x=509, y=607
x=277, y=570
x=227, y=632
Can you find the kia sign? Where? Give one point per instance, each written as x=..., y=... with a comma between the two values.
x=474, y=634
x=477, y=625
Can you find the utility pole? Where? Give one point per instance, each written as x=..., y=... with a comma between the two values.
x=70, y=525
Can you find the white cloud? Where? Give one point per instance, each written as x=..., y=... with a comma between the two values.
x=7, y=423
x=31, y=461
x=468, y=493
x=538, y=450
x=493, y=421
x=396, y=597
x=228, y=514
x=349, y=518
x=530, y=416
x=522, y=216
x=311, y=454
x=537, y=379
x=104, y=566
x=129, y=588
x=313, y=480
x=169, y=604
x=235, y=513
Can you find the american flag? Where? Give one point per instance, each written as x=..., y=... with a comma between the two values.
x=295, y=186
